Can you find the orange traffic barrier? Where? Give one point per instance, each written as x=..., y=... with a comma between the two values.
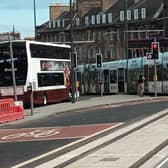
x=9, y=111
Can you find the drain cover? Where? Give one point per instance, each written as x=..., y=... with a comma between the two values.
x=110, y=159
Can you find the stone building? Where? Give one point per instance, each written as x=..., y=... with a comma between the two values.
x=101, y=26
x=9, y=36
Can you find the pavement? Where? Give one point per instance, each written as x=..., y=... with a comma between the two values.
x=128, y=151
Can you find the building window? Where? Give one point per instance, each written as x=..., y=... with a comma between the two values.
x=143, y=13
x=88, y=35
x=94, y=53
x=77, y=21
x=86, y=20
x=94, y=35
x=84, y=35
x=128, y=14
x=108, y=53
x=58, y=23
x=93, y=19
x=99, y=35
x=121, y=15
x=63, y=22
x=55, y=37
x=104, y=18
x=53, y=23
x=110, y=18
x=98, y=19
x=136, y=14
x=111, y=36
x=49, y=24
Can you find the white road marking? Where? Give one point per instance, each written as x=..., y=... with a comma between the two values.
x=38, y=133
x=162, y=163
x=61, y=148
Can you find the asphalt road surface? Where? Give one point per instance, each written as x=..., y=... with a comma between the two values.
x=21, y=142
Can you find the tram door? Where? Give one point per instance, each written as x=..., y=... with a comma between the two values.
x=106, y=80
x=110, y=81
x=121, y=77
x=114, y=81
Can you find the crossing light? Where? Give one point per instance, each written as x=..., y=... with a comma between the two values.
x=155, y=50
x=99, y=60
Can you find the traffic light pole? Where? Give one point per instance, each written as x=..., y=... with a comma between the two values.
x=73, y=82
x=13, y=69
x=155, y=75
x=101, y=82
x=99, y=64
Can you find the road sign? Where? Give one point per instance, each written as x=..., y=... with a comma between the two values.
x=149, y=55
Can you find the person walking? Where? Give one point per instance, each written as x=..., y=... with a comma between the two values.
x=141, y=84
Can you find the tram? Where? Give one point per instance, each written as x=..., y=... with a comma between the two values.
x=121, y=76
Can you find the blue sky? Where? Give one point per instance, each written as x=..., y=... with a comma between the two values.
x=20, y=14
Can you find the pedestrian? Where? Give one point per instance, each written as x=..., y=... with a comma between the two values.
x=141, y=84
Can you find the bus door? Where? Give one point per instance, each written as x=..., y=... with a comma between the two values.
x=114, y=81
x=121, y=77
x=106, y=80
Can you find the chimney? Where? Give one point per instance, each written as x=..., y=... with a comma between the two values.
x=83, y=6
x=106, y=4
x=57, y=9
x=136, y=1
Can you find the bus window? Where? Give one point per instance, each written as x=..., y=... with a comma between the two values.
x=50, y=79
x=45, y=51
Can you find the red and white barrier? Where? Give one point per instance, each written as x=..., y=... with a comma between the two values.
x=10, y=110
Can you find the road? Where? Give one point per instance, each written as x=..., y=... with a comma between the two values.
x=24, y=141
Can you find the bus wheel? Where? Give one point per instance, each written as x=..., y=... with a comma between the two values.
x=45, y=101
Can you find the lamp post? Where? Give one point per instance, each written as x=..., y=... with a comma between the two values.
x=13, y=68
x=73, y=81
x=35, y=31
x=126, y=42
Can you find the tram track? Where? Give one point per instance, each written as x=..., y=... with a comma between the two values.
x=86, y=146
x=140, y=161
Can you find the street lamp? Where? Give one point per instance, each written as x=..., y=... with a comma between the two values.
x=73, y=83
x=13, y=68
x=126, y=41
x=35, y=31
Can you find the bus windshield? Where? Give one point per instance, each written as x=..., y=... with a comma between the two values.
x=20, y=63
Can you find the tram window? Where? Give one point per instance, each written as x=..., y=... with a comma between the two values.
x=130, y=53
x=137, y=52
x=165, y=70
x=145, y=51
x=151, y=73
x=159, y=72
x=161, y=49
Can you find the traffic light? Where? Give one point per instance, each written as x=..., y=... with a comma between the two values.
x=99, y=60
x=155, y=50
